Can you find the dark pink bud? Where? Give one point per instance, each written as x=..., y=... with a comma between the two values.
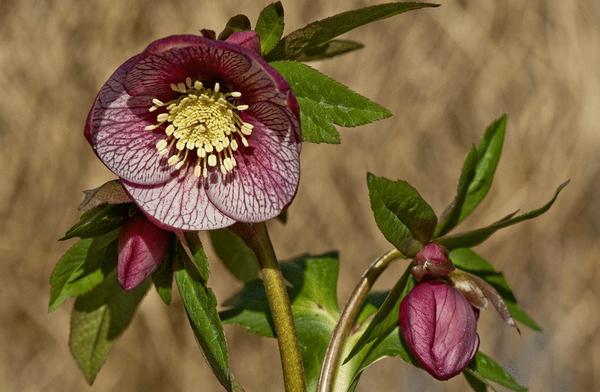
x=432, y=260
x=439, y=327
x=142, y=246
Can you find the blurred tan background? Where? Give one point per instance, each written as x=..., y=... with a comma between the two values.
x=446, y=73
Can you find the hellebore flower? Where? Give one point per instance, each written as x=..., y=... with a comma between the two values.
x=432, y=260
x=142, y=247
x=202, y=133
x=439, y=327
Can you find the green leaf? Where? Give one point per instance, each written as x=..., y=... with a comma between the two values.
x=234, y=24
x=269, y=26
x=197, y=255
x=475, y=237
x=99, y=220
x=404, y=218
x=163, y=276
x=476, y=176
x=313, y=281
x=98, y=319
x=330, y=49
x=386, y=318
x=475, y=383
x=201, y=307
x=468, y=260
x=485, y=367
x=82, y=267
x=325, y=102
x=319, y=32
x=239, y=259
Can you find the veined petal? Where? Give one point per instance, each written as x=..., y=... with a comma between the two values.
x=116, y=128
x=178, y=204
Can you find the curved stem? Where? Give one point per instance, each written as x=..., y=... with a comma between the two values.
x=349, y=314
x=257, y=238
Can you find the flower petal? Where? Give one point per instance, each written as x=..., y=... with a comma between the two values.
x=116, y=128
x=142, y=247
x=267, y=173
x=247, y=39
x=181, y=203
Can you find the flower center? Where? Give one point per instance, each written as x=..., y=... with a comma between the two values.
x=201, y=120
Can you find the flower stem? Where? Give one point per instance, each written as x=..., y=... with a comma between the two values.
x=257, y=238
x=349, y=314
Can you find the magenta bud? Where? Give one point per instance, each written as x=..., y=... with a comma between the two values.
x=142, y=246
x=432, y=260
x=439, y=327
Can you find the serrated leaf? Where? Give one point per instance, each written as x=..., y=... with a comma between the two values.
x=163, y=276
x=82, y=267
x=475, y=237
x=269, y=26
x=485, y=367
x=321, y=31
x=239, y=259
x=98, y=319
x=313, y=281
x=325, y=102
x=402, y=215
x=330, y=49
x=234, y=24
x=201, y=307
x=98, y=221
x=468, y=260
x=386, y=318
x=476, y=176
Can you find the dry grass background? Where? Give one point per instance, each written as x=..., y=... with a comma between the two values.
x=446, y=73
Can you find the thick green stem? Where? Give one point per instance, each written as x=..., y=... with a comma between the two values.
x=349, y=314
x=257, y=238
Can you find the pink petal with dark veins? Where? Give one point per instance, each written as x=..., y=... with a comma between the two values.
x=142, y=247
x=247, y=39
x=267, y=173
x=180, y=204
x=116, y=127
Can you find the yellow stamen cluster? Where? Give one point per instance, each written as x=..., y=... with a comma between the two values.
x=203, y=120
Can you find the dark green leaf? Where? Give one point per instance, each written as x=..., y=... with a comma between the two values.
x=476, y=176
x=197, y=255
x=163, y=276
x=269, y=26
x=314, y=305
x=487, y=368
x=476, y=237
x=283, y=217
x=520, y=315
x=98, y=318
x=330, y=49
x=234, y=24
x=201, y=307
x=319, y=32
x=404, y=218
x=386, y=318
x=475, y=383
x=83, y=267
x=325, y=102
x=235, y=254
x=99, y=220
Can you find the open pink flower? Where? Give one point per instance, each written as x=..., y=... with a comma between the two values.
x=202, y=133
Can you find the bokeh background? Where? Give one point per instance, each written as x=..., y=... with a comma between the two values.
x=446, y=73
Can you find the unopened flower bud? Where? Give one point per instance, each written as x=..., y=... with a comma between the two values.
x=439, y=327
x=142, y=246
x=432, y=260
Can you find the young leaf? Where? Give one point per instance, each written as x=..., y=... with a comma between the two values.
x=475, y=237
x=235, y=254
x=404, y=218
x=330, y=49
x=98, y=319
x=386, y=318
x=319, y=32
x=476, y=177
x=269, y=26
x=163, y=276
x=313, y=281
x=201, y=307
x=234, y=24
x=485, y=367
x=82, y=267
x=325, y=102
x=98, y=221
